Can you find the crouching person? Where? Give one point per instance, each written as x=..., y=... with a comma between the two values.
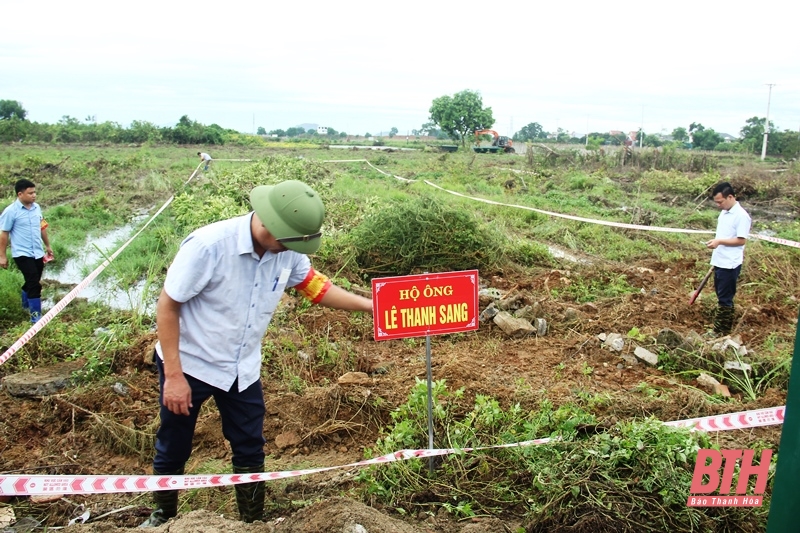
x=218, y=299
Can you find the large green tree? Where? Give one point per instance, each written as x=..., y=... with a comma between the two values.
x=702, y=138
x=753, y=133
x=461, y=114
x=680, y=134
x=12, y=109
x=531, y=132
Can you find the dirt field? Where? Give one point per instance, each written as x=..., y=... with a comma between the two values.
x=66, y=434
x=93, y=429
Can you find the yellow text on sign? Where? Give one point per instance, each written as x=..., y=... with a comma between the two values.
x=414, y=317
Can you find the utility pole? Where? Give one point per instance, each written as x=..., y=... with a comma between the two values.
x=587, y=131
x=641, y=131
x=766, y=124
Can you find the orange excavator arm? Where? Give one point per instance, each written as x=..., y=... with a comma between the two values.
x=493, y=133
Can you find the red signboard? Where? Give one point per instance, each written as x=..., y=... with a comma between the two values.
x=426, y=304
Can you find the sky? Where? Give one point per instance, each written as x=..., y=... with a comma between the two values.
x=367, y=66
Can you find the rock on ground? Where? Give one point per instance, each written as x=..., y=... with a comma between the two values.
x=43, y=381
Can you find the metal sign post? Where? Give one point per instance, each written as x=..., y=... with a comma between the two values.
x=425, y=305
x=430, y=399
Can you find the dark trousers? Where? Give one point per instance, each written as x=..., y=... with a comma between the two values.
x=725, y=284
x=32, y=272
x=242, y=415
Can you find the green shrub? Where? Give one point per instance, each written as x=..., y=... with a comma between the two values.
x=424, y=234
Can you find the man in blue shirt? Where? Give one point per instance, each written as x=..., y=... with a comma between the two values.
x=219, y=297
x=733, y=228
x=24, y=223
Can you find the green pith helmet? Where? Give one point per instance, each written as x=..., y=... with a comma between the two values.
x=292, y=212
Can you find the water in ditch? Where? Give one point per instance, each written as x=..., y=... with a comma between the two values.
x=138, y=297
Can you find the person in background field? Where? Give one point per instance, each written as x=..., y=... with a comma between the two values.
x=205, y=158
x=23, y=222
x=218, y=298
x=733, y=228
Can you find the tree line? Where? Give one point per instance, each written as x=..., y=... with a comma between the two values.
x=460, y=115
x=15, y=127
x=455, y=117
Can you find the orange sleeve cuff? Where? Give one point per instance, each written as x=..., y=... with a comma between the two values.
x=314, y=286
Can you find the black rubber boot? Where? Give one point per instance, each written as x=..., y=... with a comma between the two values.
x=250, y=496
x=166, y=503
x=723, y=321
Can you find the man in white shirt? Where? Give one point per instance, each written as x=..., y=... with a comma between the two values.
x=205, y=158
x=733, y=228
x=218, y=299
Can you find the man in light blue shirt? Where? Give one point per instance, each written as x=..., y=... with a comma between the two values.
x=733, y=228
x=24, y=223
x=218, y=299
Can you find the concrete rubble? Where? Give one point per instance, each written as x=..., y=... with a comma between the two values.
x=512, y=326
x=612, y=341
x=43, y=381
x=646, y=355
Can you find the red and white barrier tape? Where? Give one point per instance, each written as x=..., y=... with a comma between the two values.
x=23, y=485
x=776, y=240
x=741, y=420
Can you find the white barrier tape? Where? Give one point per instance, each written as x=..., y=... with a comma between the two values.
x=390, y=175
x=569, y=217
x=22, y=485
x=196, y=170
x=71, y=295
x=215, y=159
x=572, y=217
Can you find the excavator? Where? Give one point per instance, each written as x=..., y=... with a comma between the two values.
x=499, y=143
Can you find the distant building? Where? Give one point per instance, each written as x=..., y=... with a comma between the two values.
x=322, y=130
x=728, y=138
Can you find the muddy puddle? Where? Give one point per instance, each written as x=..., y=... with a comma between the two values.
x=108, y=291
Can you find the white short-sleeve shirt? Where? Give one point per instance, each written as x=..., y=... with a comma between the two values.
x=731, y=224
x=228, y=297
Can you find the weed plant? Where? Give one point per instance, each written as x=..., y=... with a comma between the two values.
x=634, y=476
x=425, y=234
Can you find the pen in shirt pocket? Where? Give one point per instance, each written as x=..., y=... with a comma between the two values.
x=275, y=285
